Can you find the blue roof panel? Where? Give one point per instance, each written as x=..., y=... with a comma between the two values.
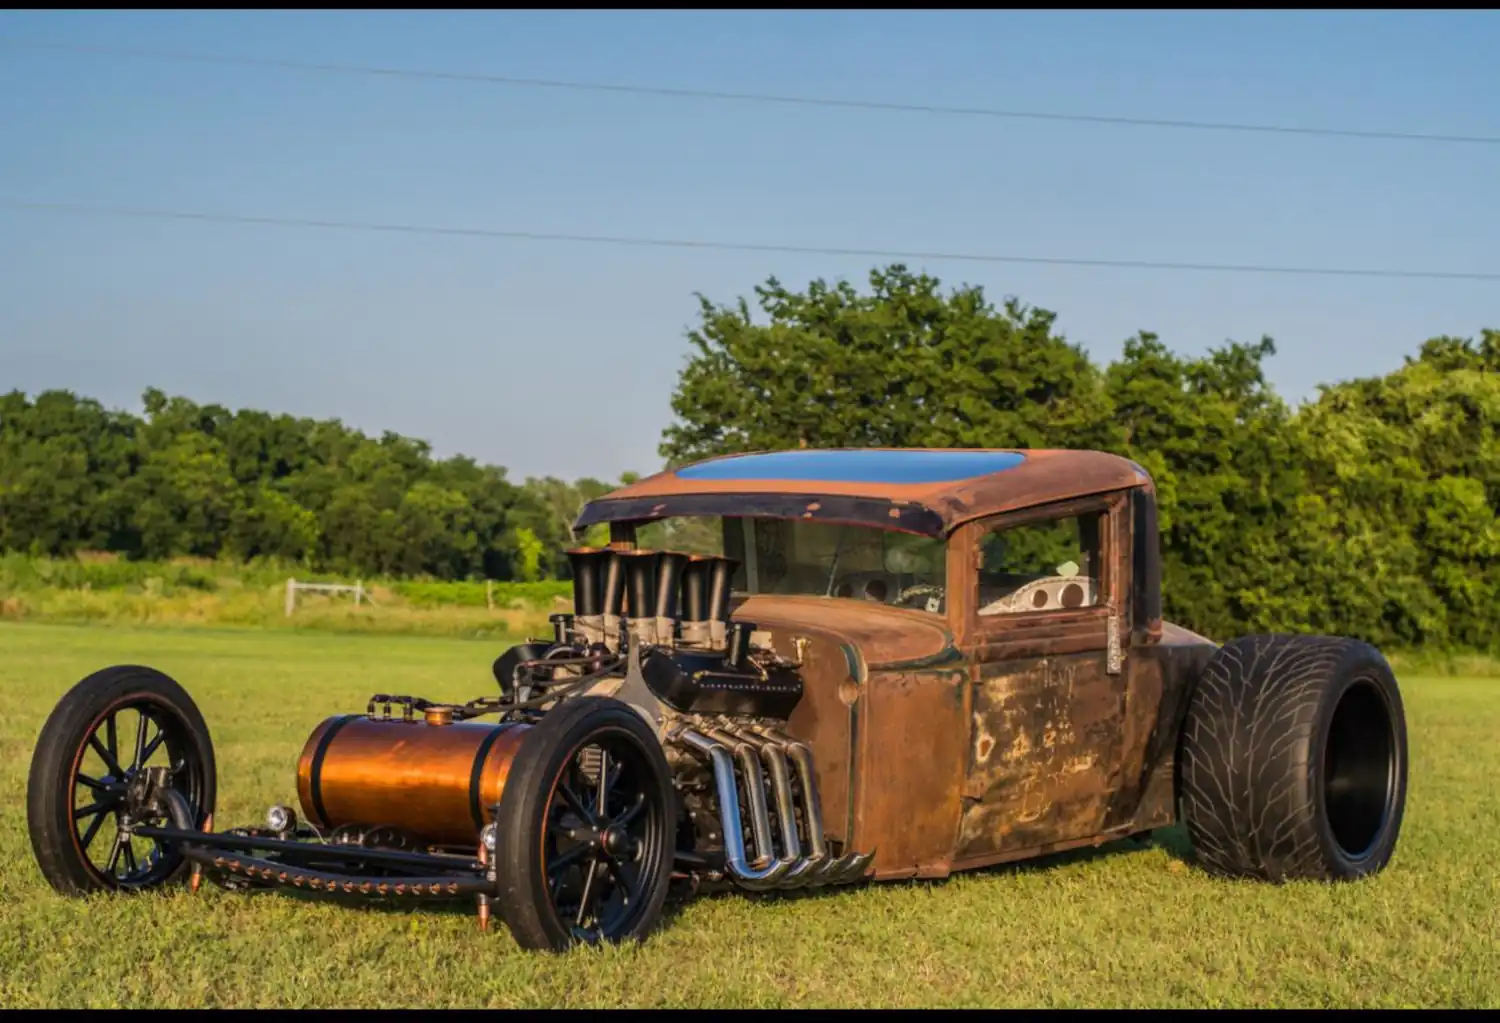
x=856, y=466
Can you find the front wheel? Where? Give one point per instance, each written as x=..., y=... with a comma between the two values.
x=95, y=749
x=585, y=829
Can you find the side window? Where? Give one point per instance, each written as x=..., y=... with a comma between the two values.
x=1041, y=566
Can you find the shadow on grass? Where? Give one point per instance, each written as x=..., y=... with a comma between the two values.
x=1173, y=841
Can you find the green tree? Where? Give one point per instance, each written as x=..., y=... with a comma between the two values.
x=903, y=365
x=1218, y=444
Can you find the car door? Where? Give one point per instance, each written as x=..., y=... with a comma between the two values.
x=1042, y=621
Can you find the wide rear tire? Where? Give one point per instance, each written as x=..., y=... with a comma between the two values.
x=1293, y=760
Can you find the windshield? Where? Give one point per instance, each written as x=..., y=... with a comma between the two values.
x=798, y=557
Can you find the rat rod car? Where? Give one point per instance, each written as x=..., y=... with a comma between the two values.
x=790, y=669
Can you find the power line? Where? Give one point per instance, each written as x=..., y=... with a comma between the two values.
x=729, y=246
x=748, y=97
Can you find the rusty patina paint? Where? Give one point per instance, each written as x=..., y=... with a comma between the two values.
x=885, y=635
x=863, y=721
x=980, y=740
x=950, y=741
x=1045, y=756
x=910, y=771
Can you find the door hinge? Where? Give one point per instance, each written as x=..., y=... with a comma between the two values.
x=1114, y=656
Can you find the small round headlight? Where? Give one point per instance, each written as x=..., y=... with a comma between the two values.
x=281, y=819
x=489, y=836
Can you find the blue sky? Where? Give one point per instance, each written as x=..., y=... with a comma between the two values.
x=459, y=341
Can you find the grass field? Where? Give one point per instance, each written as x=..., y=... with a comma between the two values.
x=94, y=588
x=1127, y=926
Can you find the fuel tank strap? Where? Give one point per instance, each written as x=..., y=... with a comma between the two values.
x=476, y=776
x=315, y=766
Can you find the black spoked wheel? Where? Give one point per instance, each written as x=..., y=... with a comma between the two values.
x=88, y=773
x=585, y=829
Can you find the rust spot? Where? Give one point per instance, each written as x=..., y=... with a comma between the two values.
x=985, y=746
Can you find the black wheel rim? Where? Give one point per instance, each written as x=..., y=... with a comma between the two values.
x=1361, y=765
x=129, y=737
x=602, y=842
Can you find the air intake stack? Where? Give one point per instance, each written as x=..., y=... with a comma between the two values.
x=706, y=590
x=668, y=588
x=640, y=568
x=587, y=620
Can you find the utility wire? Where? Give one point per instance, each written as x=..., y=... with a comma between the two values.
x=746, y=97
x=730, y=246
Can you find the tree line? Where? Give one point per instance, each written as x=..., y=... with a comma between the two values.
x=1368, y=511
x=200, y=480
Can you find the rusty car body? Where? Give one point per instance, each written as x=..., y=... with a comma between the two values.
x=790, y=669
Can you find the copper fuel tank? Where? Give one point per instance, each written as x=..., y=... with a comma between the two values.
x=439, y=781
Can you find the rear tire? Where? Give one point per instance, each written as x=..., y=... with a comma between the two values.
x=1293, y=760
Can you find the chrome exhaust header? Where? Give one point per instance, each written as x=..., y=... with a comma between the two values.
x=756, y=879
x=732, y=750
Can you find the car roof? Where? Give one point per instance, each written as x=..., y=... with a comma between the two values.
x=916, y=490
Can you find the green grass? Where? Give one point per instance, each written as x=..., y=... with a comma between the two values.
x=1128, y=926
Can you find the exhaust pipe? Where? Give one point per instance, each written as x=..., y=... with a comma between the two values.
x=792, y=869
x=755, y=879
x=839, y=871
x=755, y=795
x=812, y=806
x=808, y=869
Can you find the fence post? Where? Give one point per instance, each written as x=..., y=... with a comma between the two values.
x=489, y=594
x=291, y=596
x=359, y=591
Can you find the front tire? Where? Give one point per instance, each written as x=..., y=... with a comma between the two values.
x=585, y=829
x=1293, y=760
x=80, y=787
